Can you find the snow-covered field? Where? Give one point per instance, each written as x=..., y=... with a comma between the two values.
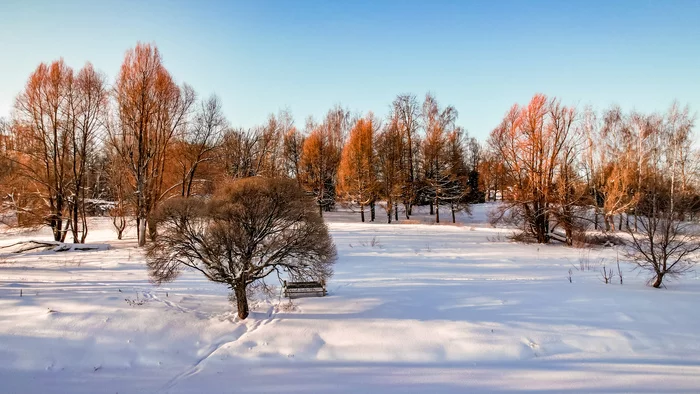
x=411, y=308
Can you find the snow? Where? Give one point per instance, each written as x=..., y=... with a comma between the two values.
x=411, y=308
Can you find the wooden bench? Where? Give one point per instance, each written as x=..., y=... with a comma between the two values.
x=301, y=289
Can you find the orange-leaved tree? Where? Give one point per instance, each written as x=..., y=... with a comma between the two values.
x=56, y=120
x=321, y=155
x=530, y=142
x=357, y=178
x=150, y=109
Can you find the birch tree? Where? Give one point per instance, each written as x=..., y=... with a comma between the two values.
x=666, y=245
x=390, y=152
x=406, y=111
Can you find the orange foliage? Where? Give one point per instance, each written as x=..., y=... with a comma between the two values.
x=56, y=120
x=530, y=141
x=357, y=173
x=151, y=108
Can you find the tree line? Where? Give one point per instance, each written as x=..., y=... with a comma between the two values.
x=76, y=146
x=561, y=169
x=570, y=170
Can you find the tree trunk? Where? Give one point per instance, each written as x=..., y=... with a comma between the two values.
x=64, y=232
x=396, y=212
x=83, y=220
x=437, y=212
x=372, y=211
x=362, y=213
x=141, y=225
x=56, y=227
x=619, y=226
x=241, y=300
x=539, y=229
x=432, y=209
x=152, y=229
x=74, y=224
x=454, y=219
x=657, y=281
x=541, y=226
x=595, y=218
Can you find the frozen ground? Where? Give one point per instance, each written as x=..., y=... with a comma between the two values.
x=423, y=308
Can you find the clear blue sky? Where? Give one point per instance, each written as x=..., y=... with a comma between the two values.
x=480, y=56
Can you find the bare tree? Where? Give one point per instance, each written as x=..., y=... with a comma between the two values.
x=439, y=123
x=203, y=136
x=57, y=120
x=42, y=137
x=457, y=191
x=389, y=155
x=663, y=245
x=88, y=104
x=570, y=208
x=569, y=192
x=666, y=244
x=269, y=158
x=238, y=152
x=6, y=171
x=474, y=156
x=406, y=112
x=119, y=190
x=590, y=131
x=5, y=162
x=273, y=149
x=250, y=229
x=293, y=145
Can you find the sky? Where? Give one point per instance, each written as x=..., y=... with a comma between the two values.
x=307, y=56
